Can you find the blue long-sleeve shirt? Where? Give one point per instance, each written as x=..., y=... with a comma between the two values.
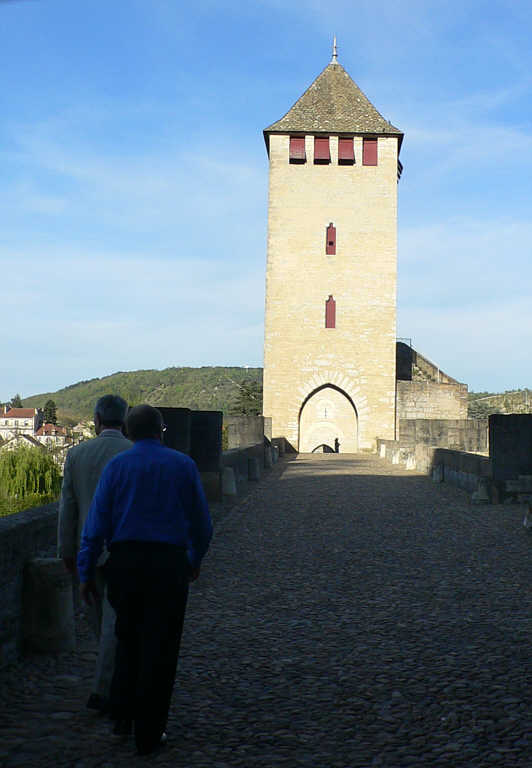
x=147, y=493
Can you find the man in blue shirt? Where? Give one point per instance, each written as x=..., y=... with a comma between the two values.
x=150, y=510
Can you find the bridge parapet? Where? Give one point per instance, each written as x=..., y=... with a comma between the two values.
x=470, y=471
x=32, y=533
x=23, y=537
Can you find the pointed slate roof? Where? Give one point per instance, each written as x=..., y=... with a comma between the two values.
x=333, y=104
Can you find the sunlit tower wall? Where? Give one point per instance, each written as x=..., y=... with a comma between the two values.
x=330, y=315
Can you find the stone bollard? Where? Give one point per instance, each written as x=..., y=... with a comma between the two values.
x=268, y=460
x=275, y=454
x=437, y=473
x=481, y=495
x=253, y=468
x=410, y=461
x=47, y=606
x=228, y=482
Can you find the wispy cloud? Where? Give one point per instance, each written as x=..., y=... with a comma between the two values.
x=181, y=200
x=118, y=311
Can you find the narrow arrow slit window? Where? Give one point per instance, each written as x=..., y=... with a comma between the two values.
x=330, y=313
x=330, y=240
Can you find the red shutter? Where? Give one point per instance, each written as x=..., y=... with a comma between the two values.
x=330, y=240
x=297, y=149
x=369, y=152
x=321, y=149
x=330, y=313
x=346, y=151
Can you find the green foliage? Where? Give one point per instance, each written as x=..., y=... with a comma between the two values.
x=482, y=404
x=207, y=388
x=9, y=505
x=27, y=471
x=247, y=399
x=480, y=410
x=16, y=401
x=50, y=412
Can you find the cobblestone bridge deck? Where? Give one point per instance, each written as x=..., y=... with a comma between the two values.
x=349, y=614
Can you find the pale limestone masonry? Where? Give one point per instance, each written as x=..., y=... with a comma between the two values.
x=321, y=383
x=430, y=400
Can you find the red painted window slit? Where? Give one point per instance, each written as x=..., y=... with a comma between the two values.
x=330, y=313
x=330, y=239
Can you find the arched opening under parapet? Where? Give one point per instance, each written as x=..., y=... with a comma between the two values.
x=323, y=448
x=328, y=417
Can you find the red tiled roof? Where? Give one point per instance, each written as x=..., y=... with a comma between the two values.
x=19, y=413
x=51, y=429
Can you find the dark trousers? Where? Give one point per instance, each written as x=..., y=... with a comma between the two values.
x=148, y=589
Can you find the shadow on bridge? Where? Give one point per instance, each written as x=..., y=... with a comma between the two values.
x=349, y=613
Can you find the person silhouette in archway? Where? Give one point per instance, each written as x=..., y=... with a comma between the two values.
x=336, y=445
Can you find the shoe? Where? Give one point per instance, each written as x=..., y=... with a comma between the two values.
x=98, y=703
x=123, y=727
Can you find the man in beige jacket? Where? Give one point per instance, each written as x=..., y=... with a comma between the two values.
x=83, y=467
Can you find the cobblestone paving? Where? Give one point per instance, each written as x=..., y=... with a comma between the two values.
x=349, y=615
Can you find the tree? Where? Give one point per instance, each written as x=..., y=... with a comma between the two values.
x=27, y=471
x=16, y=402
x=50, y=412
x=248, y=399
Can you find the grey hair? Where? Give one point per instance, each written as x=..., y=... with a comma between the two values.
x=112, y=410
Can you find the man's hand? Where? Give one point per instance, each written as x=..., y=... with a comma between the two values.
x=70, y=564
x=193, y=574
x=88, y=592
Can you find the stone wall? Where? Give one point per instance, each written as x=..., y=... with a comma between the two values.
x=431, y=400
x=23, y=536
x=410, y=365
x=244, y=431
x=469, y=471
x=457, y=434
x=461, y=469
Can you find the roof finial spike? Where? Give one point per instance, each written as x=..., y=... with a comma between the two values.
x=334, y=59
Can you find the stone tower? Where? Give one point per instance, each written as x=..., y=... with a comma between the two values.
x=330, y=326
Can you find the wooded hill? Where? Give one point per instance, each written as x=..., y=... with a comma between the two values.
x=481, y=404
x=211, y=388
x=207, y=388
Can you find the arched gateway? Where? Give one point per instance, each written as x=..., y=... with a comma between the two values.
x=328, y=414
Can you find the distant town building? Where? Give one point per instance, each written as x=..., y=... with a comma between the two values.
x=52, y=435
x=83, y=431
x=24, y=427
x=19, y=421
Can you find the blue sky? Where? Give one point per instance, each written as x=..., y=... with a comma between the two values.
x=133, y=177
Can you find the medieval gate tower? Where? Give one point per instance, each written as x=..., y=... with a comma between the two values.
x=330, y=326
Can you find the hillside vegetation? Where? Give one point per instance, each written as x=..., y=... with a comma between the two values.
x=207, y=388
x=481, y=404
x=212, y=388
